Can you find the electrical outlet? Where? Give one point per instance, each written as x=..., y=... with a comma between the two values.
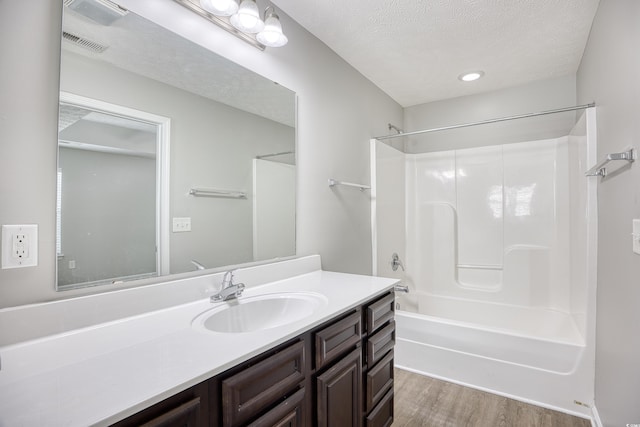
x=19, y=246
x=635, y=234
x=181, y=225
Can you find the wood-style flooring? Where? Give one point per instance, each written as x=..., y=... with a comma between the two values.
x=425, y=401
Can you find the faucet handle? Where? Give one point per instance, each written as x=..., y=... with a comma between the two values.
x=228, y=278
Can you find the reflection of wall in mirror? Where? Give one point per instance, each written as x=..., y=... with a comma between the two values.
x=212, y=146
x=108, y=201
x=274, y=209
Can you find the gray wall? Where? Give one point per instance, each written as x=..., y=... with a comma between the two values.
x=537, y=96
x=338, y=111
x=609, y=74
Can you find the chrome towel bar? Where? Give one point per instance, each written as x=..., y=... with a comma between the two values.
x=361, y=187
x=210, y=192
x=601, y=170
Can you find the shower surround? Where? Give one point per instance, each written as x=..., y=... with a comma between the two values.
x=499, y=248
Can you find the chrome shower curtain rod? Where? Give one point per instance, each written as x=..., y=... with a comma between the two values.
x=282, y=153
x=484, y=122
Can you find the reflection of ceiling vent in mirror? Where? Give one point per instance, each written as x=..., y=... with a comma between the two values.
x=101, y=11
x=85, y=43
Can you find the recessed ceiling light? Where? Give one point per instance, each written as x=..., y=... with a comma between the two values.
x=469, y=77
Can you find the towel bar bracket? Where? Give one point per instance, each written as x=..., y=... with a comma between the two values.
x=601, y=170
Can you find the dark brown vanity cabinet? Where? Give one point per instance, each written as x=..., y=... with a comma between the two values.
x=378, y=367
x=338, y=374
x=357, y=388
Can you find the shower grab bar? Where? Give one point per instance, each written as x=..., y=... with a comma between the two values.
x=361, y=187
x=210, y=192
x=600, y=169
x=481, y=267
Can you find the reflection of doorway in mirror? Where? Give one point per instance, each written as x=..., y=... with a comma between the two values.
x=111, y=193
x=274, y=209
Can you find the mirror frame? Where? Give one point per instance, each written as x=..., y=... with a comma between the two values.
x=162, y=177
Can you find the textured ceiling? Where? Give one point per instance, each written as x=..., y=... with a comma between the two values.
x=140, y=46
x=414, y=50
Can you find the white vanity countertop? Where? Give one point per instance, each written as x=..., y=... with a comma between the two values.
x=101, y=374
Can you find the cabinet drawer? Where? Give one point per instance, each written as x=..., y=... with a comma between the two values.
x=380, y=312
x=381, y=343
x=382, y=414
x=379, y=381
x=247, y=393
x=335, y=340
x=188, y=408
x=289, y=413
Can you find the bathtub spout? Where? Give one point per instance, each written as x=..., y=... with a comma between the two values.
x=401, y=288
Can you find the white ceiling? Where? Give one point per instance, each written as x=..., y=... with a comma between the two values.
x=414, y=50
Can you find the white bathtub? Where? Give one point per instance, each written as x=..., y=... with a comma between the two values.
x=536, y=357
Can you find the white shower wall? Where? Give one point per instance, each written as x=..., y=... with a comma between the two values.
x=503, y=224
x=492, y=223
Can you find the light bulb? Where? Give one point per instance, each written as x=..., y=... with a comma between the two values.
x=469, y=77
x=220, y=7
x=272, y=35
x=247, y=18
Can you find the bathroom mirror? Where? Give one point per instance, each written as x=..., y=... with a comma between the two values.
x=171, y=158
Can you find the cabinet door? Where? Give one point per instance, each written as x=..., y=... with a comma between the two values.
x=339, y=396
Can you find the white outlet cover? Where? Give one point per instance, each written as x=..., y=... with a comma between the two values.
x=636, y=236
x=30, y=232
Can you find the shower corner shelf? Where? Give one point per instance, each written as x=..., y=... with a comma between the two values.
x=600, y=169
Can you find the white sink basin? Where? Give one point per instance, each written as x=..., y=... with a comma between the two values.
x=249, y=314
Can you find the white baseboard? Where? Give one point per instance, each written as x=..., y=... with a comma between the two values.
x=595, y=417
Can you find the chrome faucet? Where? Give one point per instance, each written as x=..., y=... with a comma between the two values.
x=228, y=290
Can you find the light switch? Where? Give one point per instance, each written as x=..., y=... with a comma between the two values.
x=636, y=236
x=181, y=225
x=19, y=246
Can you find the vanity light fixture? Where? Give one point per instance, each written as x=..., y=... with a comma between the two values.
x=472, y=76
x=247, y=19
x=220, y=7
x=243, y=20
x=272, y=35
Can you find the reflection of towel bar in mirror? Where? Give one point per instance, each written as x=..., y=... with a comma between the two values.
x=601, y=170
x=211, y=192
x=361, y=187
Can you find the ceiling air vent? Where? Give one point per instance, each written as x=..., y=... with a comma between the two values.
x=85, y=43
